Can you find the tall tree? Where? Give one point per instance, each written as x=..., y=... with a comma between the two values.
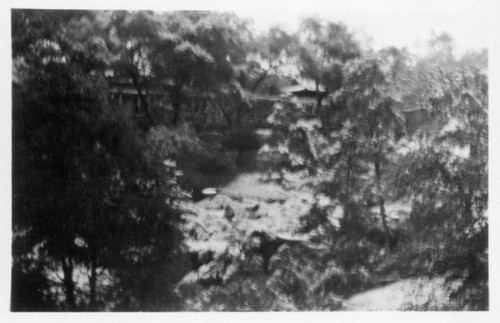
x=370, y=125
x=89, y=188
x=324, y=48
x=271, y=54
x=447, y=168
x=184, y=53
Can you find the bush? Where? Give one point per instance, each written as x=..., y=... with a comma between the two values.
x=241, y=140
x=213, y=161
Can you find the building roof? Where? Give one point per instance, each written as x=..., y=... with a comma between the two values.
x=304, y=86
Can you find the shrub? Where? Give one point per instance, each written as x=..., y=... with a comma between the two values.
x=241, y=140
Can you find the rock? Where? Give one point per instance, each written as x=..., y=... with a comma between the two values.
x=209, y=191
x=229, y=213
x=253, y=208
x=200, y=258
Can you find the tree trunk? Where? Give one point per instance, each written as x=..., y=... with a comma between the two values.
x=176, y=98
x=143, y=100
x=347, y=201
x=310, y=152
x=226, y=115
x=93, y=281
x=319, y=99
x=384, y=221
x=466, y=199
x=177, y=110
x=239, y=113
x=381, y=199
x=69, y=285
x=259, y=81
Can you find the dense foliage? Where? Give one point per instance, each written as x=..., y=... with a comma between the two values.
x=385, y=177
x=92, y=194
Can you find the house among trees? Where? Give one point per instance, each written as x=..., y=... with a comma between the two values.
x=219, y=109
x=305, y=91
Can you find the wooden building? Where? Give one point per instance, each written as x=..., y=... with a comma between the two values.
x=204, y=109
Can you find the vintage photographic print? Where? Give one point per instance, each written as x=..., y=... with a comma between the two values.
x=306, y=156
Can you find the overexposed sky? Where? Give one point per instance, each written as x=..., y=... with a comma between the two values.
x=402, y=23
x=388, y=22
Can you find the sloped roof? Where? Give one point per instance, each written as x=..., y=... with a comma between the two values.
x=303, y=86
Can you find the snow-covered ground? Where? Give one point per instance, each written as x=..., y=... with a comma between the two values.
x=407, y=294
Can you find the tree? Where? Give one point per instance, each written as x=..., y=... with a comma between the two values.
x=272, y=54
x=183, y=53
x=447, y=169
x=89, y=188
x=324, y=48
x=371, y=93
x=42, y=104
